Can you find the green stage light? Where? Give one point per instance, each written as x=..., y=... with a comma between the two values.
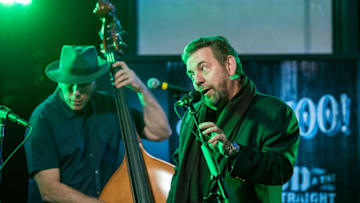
x=24, y=2
x=7, y=2
x=11, y=2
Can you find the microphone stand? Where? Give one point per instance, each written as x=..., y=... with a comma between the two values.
x=219, y=191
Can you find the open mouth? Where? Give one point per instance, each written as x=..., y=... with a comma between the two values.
x=205, y=91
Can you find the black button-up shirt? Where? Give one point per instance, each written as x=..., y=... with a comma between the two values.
x=86, y=146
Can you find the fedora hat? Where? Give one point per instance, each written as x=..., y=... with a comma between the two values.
x=77, y=64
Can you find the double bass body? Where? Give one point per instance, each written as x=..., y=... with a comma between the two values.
x=118, y=188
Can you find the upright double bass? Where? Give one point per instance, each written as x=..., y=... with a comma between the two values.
x=140, y=177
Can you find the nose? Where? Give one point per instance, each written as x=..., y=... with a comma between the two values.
x=198, y=80
x=76, y=90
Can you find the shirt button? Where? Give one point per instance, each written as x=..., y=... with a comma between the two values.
x=96, y=172
x=91, y=155
x=241, y=179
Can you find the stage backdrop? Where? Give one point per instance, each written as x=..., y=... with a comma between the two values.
x=324, y=97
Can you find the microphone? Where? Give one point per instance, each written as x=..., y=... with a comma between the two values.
x=154, y=83
x=187, y=99
x=6, y=113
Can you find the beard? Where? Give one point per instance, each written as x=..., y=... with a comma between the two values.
x=216, y=100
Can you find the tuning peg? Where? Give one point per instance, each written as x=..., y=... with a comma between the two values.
x=123, y=44
x=123, y=33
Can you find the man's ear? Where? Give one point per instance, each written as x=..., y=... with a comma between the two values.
x=230, y=65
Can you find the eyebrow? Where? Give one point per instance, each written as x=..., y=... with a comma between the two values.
x=200, y=63
x=197, y=66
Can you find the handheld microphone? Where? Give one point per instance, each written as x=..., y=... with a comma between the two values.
x=6, y=113
x=187, y=99
x=154, y=83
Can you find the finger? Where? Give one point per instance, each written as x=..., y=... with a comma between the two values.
x=217, y=144
x=210, y=130
x=121, y=72
x=123, y=69
x=213, y=145
x=121, y=78
x=123, y=83
x=121, y=64
x=215, y=138
x=205, y=125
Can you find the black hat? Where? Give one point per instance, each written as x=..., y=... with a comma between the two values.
x=77, y=65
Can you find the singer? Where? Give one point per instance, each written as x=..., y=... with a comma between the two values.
x=255, y=136
x=75, y=144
